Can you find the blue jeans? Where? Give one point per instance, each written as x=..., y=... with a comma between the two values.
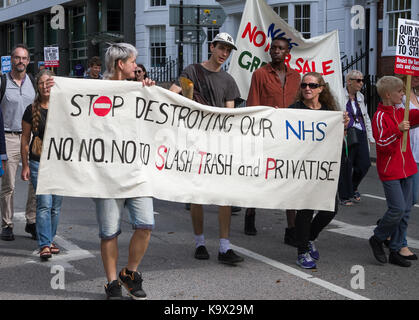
x=394, y=222
x=48, y=209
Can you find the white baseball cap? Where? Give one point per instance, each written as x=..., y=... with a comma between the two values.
x=224, y=37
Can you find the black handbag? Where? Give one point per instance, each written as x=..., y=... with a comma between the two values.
x=351, y=137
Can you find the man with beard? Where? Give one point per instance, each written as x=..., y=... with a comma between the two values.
x=274, y=85
x=18, y=94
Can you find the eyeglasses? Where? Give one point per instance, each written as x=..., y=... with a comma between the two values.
x=358, y=80
x=311, y=85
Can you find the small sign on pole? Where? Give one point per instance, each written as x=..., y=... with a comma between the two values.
x=6, y=64
x=407, y=59
x=51, y=57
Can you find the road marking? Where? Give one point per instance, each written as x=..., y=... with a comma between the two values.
x=322, y=283
x=380, y=198
x=72, y=252
x=364, y=232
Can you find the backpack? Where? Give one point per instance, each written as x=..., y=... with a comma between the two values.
x=3, y=84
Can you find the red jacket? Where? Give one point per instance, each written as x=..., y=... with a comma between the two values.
x=392, y=163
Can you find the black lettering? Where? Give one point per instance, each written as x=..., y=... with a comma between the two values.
x=115, y=106
x=74, y=103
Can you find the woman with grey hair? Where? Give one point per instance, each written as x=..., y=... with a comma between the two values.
x=356, y=166
x=120, y=65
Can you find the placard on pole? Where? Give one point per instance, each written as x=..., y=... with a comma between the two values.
x=407, y=59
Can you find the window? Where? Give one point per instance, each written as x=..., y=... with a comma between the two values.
x=158, y=46
x=157, y=3
x=396, y=9
x=114, y=17
x=211, y=33
x=282, y=11
x=302, y=19
x=78, y=42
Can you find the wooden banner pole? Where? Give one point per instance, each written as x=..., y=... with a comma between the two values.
x=406, y=110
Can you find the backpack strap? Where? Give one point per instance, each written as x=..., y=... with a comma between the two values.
x=2, y=86
x=32, y=80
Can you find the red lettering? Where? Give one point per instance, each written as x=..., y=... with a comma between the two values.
x=313, y=66
x=268, y=47
x=248, y=30
x=306, y=68
x=299, y=69
x=161, y=157
x=259, y=44
x=287, y=61
x=326, y=67
x=202, y=158
x=269, y=168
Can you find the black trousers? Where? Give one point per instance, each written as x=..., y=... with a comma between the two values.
x=354, y=167
x=308, y=229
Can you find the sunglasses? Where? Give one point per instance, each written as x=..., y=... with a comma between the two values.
x=311, y=85
x=358, y=80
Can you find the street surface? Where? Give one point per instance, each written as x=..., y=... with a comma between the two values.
x=170, y=271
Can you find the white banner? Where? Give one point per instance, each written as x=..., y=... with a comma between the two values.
x=259, y=25
x=116, y=139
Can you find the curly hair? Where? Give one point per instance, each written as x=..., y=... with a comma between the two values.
x=36, y=113
x=326, y=97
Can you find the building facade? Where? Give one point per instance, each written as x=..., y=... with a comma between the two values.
x=88, y=26
x=91, y=24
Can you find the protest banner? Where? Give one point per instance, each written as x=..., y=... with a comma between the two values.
x=407, y=60
x=259, y=25
x=153, y=142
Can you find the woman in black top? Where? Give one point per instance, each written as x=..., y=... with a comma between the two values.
x=314, y=95
x=48, y=206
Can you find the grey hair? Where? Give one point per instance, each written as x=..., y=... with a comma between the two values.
x=353, y=73
x=116, y=52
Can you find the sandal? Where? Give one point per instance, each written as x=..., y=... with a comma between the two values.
x=346, y=203
x=45, y=253
x=357, y=196
x=54, y=249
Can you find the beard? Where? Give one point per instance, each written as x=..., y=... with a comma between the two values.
x=20, y=67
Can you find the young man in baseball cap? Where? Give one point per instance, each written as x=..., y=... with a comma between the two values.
x=216, y=88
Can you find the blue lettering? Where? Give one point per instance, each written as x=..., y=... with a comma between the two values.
x=321, y=131
x=288, y=125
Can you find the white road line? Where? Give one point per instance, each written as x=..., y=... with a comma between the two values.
x=322, y=283
x=364, y=232
x=69, y=251
x=379, y=198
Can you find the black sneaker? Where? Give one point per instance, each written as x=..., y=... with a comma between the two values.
x=7, y=234
x=201, y=253
x=397, y=259
x=229, y=257
x=249, y=222
x=113, y=290
x=377, y=249
x=132, y=282
x=290, y=237
x=31, y=228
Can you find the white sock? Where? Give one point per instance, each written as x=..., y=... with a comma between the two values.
x=199, y=240
x=224, y=245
